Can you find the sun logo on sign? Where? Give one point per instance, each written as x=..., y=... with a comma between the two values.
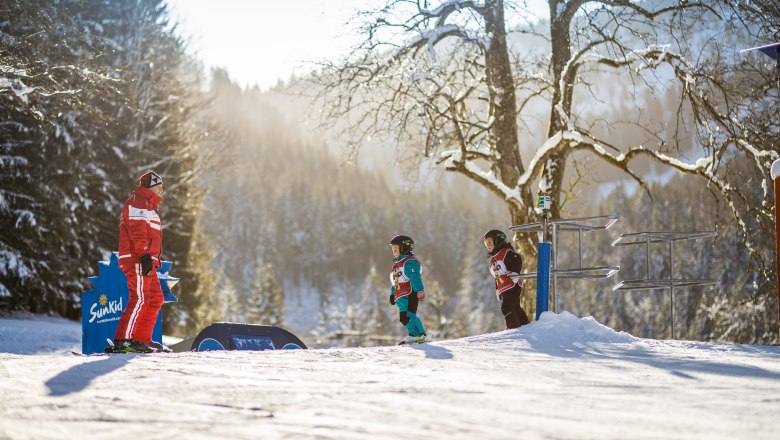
x=103, y=300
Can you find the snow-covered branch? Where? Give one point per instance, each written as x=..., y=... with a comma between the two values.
x=454, y=160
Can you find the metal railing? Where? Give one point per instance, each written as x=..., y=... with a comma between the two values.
x=580, y=225
x=648, y=238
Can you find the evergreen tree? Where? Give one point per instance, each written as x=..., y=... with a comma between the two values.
x=433, y=311
x=265, y=304
x=381, y=318
x=232, y=308
x=55, y=155
x=97, y=92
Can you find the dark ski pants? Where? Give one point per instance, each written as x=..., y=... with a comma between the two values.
x=514, y=314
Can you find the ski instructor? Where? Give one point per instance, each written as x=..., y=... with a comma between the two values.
x=140, y=243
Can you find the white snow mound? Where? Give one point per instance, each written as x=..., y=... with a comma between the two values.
x=569, y=328
x=552, y=331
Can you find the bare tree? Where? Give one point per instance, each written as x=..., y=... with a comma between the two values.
x=452, y=82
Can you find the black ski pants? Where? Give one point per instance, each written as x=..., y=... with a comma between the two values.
x=413, y=302
x=514, y=314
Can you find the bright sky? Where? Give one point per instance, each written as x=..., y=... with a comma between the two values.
x=262, y=41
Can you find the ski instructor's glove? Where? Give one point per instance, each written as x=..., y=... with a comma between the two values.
x=146, y=264
x=392, y=300
x=421, y=295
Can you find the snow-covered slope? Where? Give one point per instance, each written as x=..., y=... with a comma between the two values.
x=34, y=334
x=561, y=377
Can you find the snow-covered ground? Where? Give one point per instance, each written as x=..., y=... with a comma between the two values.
x=559, y=378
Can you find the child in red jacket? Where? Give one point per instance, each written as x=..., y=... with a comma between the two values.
x=506, y=266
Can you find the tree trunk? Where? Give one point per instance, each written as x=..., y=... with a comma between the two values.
x=500, y=82
x=525, y=243
x=552, y=181
x=554, y=169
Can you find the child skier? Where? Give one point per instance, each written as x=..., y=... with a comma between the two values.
x=505, y=266
x=407, y=287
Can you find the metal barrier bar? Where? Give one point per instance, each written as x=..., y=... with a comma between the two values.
x=580, y=225
x=647, y=238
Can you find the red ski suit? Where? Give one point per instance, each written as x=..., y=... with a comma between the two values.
x=140, y=232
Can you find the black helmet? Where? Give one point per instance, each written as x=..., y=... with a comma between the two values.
x=405, y=244
x=499, y=238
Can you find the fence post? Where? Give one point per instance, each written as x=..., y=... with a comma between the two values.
x=775, y=173
x=543, y=278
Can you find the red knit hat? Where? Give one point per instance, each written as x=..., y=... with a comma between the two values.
x=150, y=179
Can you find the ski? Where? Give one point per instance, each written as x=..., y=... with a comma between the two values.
x=76, y=353
x=412, y=343
x=130, y=347
x=421, y=341
x=108, y=353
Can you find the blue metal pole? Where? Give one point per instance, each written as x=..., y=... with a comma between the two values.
x=543, y=278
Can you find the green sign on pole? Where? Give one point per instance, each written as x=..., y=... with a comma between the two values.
x=544, y=201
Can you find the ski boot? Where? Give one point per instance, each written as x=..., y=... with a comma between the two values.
x=160, y=348
x=407, y=340
x=129, y=346
x=419, y=339
x=413, y=340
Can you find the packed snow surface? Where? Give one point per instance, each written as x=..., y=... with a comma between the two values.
x=562, y=377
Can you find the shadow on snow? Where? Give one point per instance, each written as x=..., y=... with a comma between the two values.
x=78, y=377
x=642, y=352
x=433, y=351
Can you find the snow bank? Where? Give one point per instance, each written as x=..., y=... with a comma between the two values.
x=36, y=334
x=566, y=327
x=552, y=331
